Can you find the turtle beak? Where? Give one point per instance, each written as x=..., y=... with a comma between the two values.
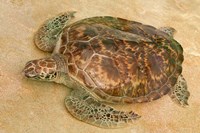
x=26, y=75
x=29, y=71
x=23, y=73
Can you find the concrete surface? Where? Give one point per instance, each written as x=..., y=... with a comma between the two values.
x=28, y=106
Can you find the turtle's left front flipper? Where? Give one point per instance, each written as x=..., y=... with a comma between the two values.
x=179, y=92
x=83, y=107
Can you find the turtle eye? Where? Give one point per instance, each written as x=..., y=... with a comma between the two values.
x=47, y=77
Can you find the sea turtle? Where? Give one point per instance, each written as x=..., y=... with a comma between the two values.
x=109, y=60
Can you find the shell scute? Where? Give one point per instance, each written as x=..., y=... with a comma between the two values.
x=81, y=32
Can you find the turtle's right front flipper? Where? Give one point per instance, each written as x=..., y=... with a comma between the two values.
x=85, y=108
x=47, y=35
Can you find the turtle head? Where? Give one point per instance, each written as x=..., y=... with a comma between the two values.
x=46, y=69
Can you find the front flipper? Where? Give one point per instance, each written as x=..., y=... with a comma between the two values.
x=47, y=35
x=179, y=92
x=83, y=107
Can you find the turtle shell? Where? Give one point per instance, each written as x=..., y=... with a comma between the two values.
x=119, y=60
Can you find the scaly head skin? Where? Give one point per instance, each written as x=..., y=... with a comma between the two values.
x=46, y=69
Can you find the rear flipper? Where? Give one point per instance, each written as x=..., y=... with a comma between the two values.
x=85, y=108
x=169, y=30
x=48, y=34
x=179, y=92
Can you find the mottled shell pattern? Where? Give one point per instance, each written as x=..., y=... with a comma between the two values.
x=119, y=60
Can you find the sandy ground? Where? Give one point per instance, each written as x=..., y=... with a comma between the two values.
x=28, y=106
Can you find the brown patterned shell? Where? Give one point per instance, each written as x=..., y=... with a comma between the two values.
x=120, y=60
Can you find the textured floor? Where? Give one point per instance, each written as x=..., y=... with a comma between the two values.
x=30, y=106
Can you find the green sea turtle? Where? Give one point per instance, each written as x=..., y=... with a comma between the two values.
x=107, y=59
